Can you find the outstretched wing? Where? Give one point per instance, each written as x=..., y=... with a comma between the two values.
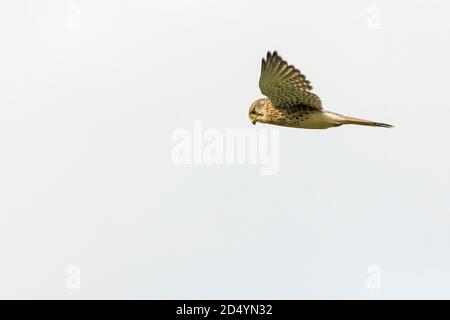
x=284, y=85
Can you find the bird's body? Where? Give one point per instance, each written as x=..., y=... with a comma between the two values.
x=303, y=116
x=291, y=103
x=298, y=116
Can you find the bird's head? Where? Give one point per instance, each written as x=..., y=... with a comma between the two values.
x=257, y=111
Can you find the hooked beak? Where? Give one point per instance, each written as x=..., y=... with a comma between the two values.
x=254, y=121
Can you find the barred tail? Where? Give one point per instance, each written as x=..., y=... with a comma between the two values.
x=362, y=122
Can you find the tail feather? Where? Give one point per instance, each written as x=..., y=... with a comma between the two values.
x=363, y=122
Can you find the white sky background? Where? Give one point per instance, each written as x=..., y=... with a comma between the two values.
x=86, y=177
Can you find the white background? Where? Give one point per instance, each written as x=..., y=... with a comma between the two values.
x=91, y=92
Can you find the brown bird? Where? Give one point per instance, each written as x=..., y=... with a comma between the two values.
x=291, y=103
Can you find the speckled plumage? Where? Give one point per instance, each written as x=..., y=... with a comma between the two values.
x=290, y=101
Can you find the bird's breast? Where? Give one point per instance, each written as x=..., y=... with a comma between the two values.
x=300, y=117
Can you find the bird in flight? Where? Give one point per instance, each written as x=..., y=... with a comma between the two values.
x=291, y=103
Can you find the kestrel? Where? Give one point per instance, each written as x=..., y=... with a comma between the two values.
x=291, y=103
